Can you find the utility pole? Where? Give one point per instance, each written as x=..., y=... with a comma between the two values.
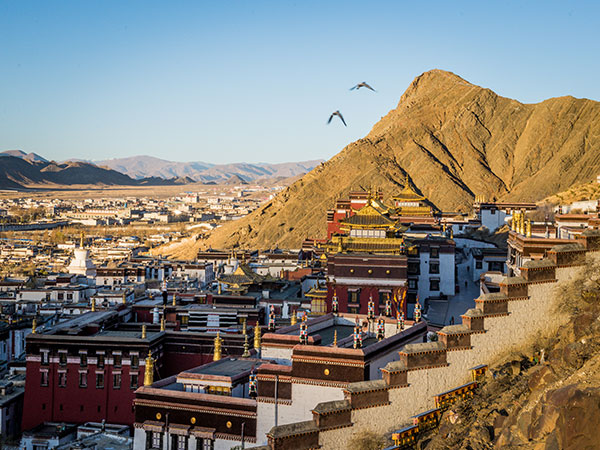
x=276, y=397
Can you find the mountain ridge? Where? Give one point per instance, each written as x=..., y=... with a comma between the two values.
x=453, y=140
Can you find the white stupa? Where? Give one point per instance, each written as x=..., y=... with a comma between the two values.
x=81, y=264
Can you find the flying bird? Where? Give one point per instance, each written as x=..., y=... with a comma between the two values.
x=339, y=114
x=363, y=84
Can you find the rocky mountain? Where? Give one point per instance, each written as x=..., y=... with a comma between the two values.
x=22, y=171
x=454, y=140
x=34, y=157
x=148, y=166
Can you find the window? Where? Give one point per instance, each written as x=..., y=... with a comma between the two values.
x=434, y=267
x=135, y=361
x=133, y=381
x=479, y=264
x=61, y=296
x=69, y=296
x=83, y=359
x=40, y=446
x=208, y=444
x=180, y=442
x=434, y=285
x=434, y=252
x=62, y=358
x=99, y=381
x=117, y=360
x=153, y=440
x=83, y=379
x=412, y=284
x=44, y=378
x=354, y=296
x=318, y=305
x=383, y=297
x=100, y=362
x=117, y=381
x=45, y=357
x=493, y=211
x=62, y=379
x=413, y=268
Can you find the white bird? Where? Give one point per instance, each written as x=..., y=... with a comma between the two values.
x=339, y=114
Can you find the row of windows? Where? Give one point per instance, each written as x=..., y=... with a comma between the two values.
x=83, y=380
x=134, y=359
x=81, y=408
x=154, y=441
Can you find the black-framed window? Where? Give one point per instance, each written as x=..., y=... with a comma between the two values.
x=116, y=381
x=413, y=268
x=99, y=381
x=44, y=378
x=434, y=252
x=83, y=359
x=133, y=381
x=62, y=358
x=117, y=360
x=100, y=361
x=45, y=358
x=135, y=361
x=434, y=284
x=208, y=444
x=434, y=267
x=354, y=296
x=181, y=442
x=412, y=284
x=62, y=379
x=83, y=377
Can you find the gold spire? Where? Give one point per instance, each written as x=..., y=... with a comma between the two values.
x=143, y=331
x=522, y=222
x=246, y=353
x=33, y=326
x=257, y=337
x=528, y=228
x=218, y=343
x=244, y=330
x=513, y=222
x=294, y=319
x=174, y=299
x=149, y=369
x=162, y=323
x=335, y=338
x=93, y=305
x=125, y=297
x=219, y=288
x=81, y=240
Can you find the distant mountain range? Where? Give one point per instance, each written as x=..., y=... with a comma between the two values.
x=20, y=170
x=147, y=166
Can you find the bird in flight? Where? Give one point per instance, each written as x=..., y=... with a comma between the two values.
x=339, y=114
x=363, y=84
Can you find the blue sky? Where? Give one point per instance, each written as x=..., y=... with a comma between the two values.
x=229, y=81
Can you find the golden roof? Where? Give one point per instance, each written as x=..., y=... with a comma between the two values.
x=369, y=216
x=408, y=194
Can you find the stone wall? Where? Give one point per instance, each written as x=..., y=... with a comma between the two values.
x=524, y=309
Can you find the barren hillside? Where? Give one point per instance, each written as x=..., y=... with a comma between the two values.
x=455, y=140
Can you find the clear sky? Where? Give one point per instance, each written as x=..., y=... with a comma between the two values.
x=227, y=81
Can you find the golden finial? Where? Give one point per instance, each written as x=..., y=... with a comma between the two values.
x=340, y=248
x=257, y=336
x=246, y=353
x=162, y=323
x=149, y=370
x=124, y=297
x=93, y=305
x=529, y=228
x=513, y=222
x=218, y=343
x=219, y=288
x=294, y=319
x=174, y=300
x=33, y=326
x=244, y=330
x=143, y=331
x=335, y=338
x=81, y=240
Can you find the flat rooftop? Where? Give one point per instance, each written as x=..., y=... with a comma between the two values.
x=225, y=367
